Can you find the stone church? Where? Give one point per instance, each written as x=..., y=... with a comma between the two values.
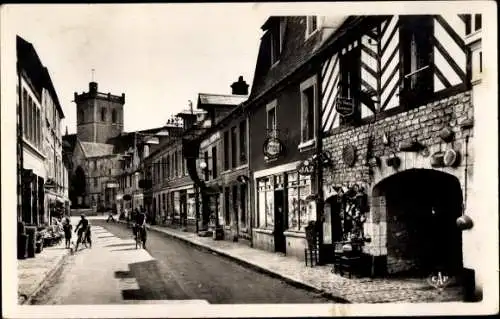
x=100, y=150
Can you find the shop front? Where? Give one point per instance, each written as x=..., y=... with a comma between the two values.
x=284, y=208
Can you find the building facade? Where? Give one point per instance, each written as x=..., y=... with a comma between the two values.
x=43, y=176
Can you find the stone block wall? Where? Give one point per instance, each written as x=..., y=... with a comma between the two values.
x=422, y=124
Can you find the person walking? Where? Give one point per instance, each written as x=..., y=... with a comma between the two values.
x=67, y=228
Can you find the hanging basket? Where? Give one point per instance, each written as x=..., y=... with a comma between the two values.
x=374, y=162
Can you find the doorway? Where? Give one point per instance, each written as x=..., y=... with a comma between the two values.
x=279, y=222
x=332, y=227
x=422, y=207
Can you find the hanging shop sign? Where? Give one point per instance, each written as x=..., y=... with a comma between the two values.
x=349, y=155
x=305, y=168
x=344, y=106
x=272, y=147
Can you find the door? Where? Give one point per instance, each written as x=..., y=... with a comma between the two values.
x=279, y=222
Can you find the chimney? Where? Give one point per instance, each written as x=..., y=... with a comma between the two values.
x=93, y=87
x=240, y=87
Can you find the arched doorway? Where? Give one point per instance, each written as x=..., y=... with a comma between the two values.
x=79, y=187
x=421, y=207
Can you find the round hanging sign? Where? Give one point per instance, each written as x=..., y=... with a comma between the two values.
x=272, y=147
x=349, y=155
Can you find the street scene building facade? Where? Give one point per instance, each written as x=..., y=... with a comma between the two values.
x=352, y=147
x=43, y=186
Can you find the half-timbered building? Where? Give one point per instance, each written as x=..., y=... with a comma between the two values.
x=396, y=95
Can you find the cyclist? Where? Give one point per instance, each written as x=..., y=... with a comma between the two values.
x=140, y=226
x=83, y=231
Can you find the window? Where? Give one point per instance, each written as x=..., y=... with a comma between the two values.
x=473, y=23
x=311, y=25
x=308, y=104
x=103, y=115
x=350, y=82
x=416, y=34
x=175, y=164
x=181, y=163
x=214, y=162
x=206, y=171
x=95, y=181
x=265, y=202
x=298, y=188
x=25, y=113
x=167, y=171
x=243, y=142
x=234, y=147
x=243, y=204
x=271, y=117
x=113, y=116
x=227, y=215
x=275, y=35
x=226, y=150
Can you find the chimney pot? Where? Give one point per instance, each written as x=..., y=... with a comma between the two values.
x=240, y=87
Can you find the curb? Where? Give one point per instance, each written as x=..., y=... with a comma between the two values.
x=255, y=267
x=51, y=274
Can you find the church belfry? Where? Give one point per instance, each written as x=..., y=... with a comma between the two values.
x=99, y=115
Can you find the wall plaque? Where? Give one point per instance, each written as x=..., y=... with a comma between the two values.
x=349, y=155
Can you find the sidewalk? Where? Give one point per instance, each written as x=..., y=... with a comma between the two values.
x=34, y=273
x=320, y=278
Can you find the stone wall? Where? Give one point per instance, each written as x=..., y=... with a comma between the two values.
x=422, y=124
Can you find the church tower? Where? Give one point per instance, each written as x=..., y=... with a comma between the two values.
x=99, y=116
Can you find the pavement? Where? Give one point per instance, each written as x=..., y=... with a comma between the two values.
x=169, y=271
x=320, y=279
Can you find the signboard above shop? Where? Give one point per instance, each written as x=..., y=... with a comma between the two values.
x=344, y=106
x=272, y=148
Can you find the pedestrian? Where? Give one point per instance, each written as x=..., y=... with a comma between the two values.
x=67, y=228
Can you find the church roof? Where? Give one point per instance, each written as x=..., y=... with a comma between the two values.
x=96, y=149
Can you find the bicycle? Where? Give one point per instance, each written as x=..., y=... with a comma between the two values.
x=140, y=237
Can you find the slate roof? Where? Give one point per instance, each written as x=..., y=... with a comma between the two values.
x=96, y=149
x=221, y=99
x=297, y=51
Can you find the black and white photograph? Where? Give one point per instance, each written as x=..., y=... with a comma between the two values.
x=249, y=159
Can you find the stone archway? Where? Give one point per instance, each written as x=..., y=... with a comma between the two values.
x=416, y=211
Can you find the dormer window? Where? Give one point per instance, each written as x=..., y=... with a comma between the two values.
x=311, y=25
x=473, y=23
x=275, y=27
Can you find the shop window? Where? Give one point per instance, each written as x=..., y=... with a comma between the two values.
x=103, y=115
x=266, y=202
x=243, y=142
x=226, y=150
x=214, y=162
x=416, y=34
x=298, y=188
x=350, y=78
x=227, y=214
x=308, y=91
x=234, y=147
x=311, y=25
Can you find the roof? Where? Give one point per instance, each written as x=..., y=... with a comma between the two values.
x=50, y=87
x=96, y=149
x=293, y=58
x=221, y=99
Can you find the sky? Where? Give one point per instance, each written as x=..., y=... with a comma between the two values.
x=161, y=56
